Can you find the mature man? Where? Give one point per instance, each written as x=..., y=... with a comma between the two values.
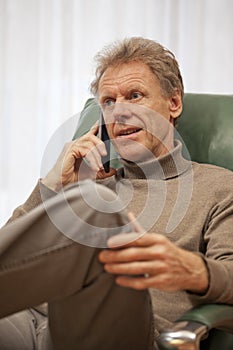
x=179, y=247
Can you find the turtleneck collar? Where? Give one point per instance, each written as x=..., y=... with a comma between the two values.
x=168, y=166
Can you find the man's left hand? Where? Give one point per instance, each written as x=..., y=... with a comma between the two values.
x=151, y=260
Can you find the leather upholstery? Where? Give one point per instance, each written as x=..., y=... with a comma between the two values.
x=206, y=128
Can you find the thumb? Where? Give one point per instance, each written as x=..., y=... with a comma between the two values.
x=127, y=239
x=135, y=224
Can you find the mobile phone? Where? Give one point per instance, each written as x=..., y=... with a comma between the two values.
x=105, y=138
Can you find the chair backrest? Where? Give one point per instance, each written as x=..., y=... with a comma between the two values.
x=206, y=127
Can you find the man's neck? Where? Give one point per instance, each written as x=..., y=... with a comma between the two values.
x=170, y=165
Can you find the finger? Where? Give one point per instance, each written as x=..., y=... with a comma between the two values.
x=95, y=145
x=95, y=128
x=101, y=148
x=94, y=157
x=98, y=151
x=135, y=239
x=131, y=254
x=94, y=131
x=84, y=171
x=151, y=268
x=92, y=149
x=123, y=239
x=92, y=162
x=137, y=227
x=123, y=255
x=138, y=283
x=102, y=174
x=85, y=158
x=88, y=142
x=162, y=282
x=128, y=239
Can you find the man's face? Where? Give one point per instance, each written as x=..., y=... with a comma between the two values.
x=139, y=118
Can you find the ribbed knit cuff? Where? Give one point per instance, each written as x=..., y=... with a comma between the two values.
x=217, y=290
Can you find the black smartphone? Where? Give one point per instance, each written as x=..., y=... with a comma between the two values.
x=105, y=138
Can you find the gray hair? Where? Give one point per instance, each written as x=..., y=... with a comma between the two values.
x=160, y=60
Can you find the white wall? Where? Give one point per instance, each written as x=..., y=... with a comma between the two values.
x=46, y=64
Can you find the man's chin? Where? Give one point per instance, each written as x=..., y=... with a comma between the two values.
x=133, y=152
x=134, y=157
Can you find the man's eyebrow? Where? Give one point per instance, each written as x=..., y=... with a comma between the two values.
x=105, y=96
x=133, y=86
x=136, y=87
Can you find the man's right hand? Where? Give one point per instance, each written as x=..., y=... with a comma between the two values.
x=79, y=159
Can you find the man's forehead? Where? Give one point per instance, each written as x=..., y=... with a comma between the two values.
x=133, y=73
x=130, y=80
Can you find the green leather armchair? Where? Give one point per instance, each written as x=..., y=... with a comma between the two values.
x=206, y=127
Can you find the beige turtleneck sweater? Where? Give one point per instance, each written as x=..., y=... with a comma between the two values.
x=190, y=203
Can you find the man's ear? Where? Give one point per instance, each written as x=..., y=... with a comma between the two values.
x=175, y=105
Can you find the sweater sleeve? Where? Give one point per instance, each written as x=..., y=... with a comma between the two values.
x=219, y=253
x=38, y=195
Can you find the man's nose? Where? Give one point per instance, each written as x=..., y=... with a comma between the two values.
x=121, y=112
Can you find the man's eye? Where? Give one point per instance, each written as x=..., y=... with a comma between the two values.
x=135, y=95
x=108, y=102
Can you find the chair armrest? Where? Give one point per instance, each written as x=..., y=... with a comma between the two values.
x=195, y=325
x=219, y=316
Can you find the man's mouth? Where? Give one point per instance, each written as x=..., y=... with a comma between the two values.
x=128, y=132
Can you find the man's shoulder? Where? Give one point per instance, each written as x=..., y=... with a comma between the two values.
x=213, y=176
x=211, y=170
